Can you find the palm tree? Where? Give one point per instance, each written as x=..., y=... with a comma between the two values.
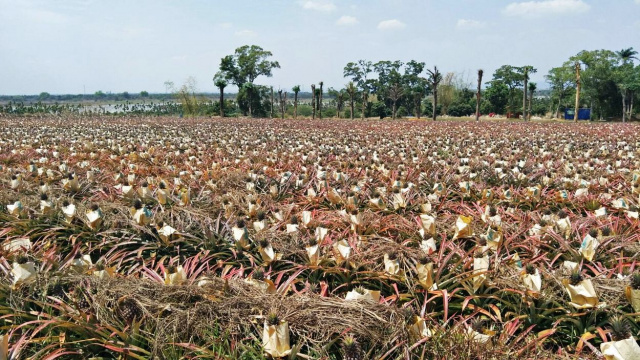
x=283, y=102
x=351, y=90
x=313, y=101
x=479, y=94
x=320, y=101
x=627, y=55
x=296, y=90
x=532, y=89
x=272, y=102
x=435, y=77
x=221, y=84
x=526, y=70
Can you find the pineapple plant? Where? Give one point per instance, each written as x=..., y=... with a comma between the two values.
x=619, y=328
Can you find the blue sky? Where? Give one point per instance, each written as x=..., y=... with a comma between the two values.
x=66, y=46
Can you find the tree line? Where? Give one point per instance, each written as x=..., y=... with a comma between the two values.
x=607, y=82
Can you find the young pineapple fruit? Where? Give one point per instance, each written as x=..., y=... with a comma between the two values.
x=129, y=309
x=575, y=278
x=351, y=349
x=273, y=319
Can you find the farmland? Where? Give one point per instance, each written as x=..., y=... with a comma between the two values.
x=159, y=237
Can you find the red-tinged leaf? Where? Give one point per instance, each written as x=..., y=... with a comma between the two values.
x=58, y=353
x=583, y=339
x=602, y=333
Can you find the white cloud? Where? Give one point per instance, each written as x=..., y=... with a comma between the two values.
x=546, y=7
x=318, y=5
x=246, y=33
x=347, y=20
x=225, y=25
x=393, y=24
x=466, y=24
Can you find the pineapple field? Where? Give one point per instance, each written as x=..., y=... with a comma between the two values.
x=165, y=238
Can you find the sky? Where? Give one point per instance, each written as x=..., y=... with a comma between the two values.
x=83, y=46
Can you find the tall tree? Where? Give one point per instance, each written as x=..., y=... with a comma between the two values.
x=525, y=71
x=479, y=94
x=338, y=95
x=358, y=72
x=627, y=55
x=511, y=77
x=272, y=102
x=561, y=80
x=628, y=83
x=243, y=67
x=220, y=82
x=532, y=89
x=282, y=102
x=296, y=90
x=415, y=85
x=497, y=93
x=578, y=84
x=320, y=100
x=390, y=82
x=599, y=84
x=313, y=101
x=434, y=79
x=351, y=90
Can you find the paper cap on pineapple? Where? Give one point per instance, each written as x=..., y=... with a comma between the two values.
x=392, y=264
x=363, y=294
x=419, y=330
x=428, y=225
x=313, y=252
x=275, y=339
x=533, y=282
x=480, y=267
x=463, y=227
x=174, y=275
x=342, y=250
x=15, y=209
x=588, y=247
x=425, y=276
x=167, y=233
x=13, y=245
x=428, y=246
x=626, y=349
x=69, y=212
x=583, y=295
x=94, y=218
x=23, y=273
x=321, y=234
x=292, y=228
x=633, y=295
x=268, y=254
x=306, y=217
